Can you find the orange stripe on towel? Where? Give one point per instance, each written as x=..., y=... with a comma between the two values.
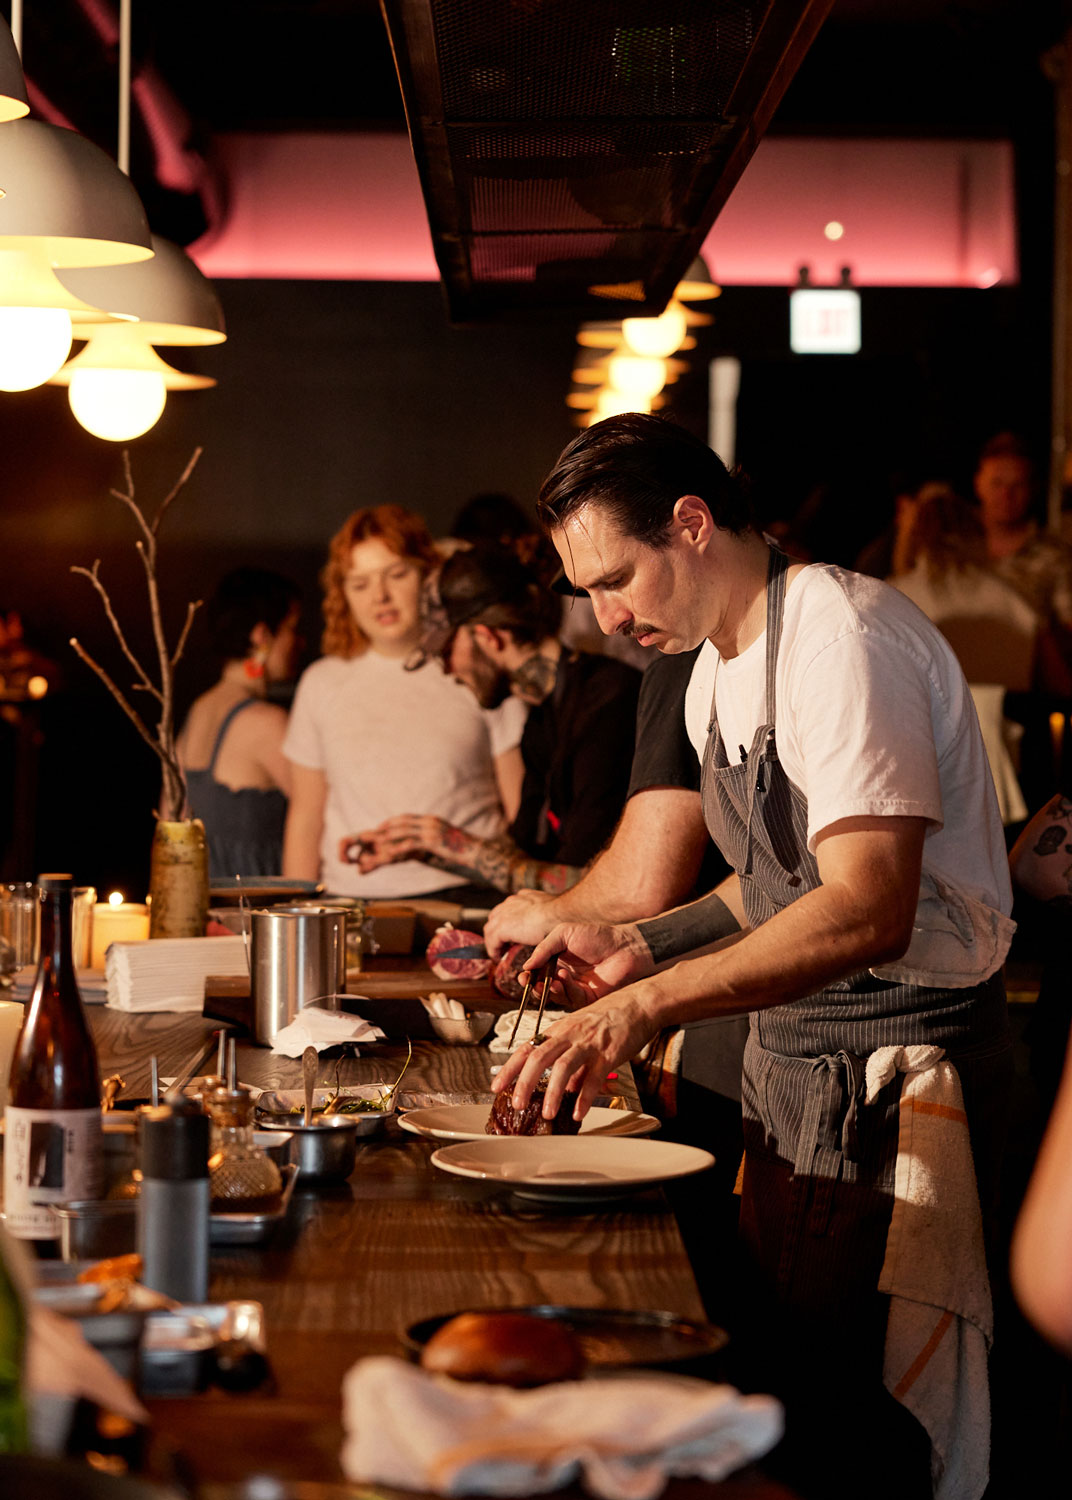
x=919, y=1364
x=928, y=1107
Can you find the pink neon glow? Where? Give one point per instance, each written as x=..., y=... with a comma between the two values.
x=916, y=213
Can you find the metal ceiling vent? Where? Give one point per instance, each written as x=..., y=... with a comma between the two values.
x=574, y=153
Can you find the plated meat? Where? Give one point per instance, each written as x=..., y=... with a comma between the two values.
x=506, y=1120
x=455, y=953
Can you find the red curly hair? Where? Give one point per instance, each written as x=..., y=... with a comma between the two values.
x=402, y=531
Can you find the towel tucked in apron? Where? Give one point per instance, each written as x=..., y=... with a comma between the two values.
x=819, y=1163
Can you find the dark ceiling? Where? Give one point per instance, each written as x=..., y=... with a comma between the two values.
x=880, y=67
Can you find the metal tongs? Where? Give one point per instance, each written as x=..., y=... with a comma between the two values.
x=549, y=972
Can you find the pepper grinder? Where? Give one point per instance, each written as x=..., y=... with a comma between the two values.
x=173, y=1206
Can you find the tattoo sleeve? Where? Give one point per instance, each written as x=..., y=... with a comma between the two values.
x=690, y=927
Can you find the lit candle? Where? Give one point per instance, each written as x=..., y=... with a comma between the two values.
x=117, y=921
x=1057, y=732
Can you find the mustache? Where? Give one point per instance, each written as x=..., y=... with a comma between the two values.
x=633, y=629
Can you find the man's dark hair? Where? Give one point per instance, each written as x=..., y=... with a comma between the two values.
x=1005, y=445
x=245, y=598
x=489, y=585
x=636, y=467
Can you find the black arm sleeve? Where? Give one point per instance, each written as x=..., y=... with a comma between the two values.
x=688, y=928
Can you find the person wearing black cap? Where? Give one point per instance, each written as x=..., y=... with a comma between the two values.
x=494, y=628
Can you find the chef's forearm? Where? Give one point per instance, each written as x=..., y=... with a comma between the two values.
x=824, y=936
x=688, y=928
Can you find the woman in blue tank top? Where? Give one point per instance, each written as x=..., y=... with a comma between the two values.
x=237, y=777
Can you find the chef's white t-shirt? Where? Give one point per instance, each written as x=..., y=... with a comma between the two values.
x=874, y=718
x=390, y=741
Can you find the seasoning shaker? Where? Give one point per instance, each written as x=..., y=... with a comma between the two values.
x=173, y=1206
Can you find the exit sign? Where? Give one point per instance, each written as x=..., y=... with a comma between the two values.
x=824, y=320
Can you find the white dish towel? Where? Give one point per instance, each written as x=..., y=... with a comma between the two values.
x=623, y=1437
x=941, y=1321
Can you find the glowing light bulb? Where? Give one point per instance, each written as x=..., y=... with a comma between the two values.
x=34, y=342
x=117, y=404
x=636, y=376
x=37, y=687
x=116, y=898
x=657, y=337
x=612, y=403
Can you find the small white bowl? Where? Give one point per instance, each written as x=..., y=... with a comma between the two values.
x=468, y=1030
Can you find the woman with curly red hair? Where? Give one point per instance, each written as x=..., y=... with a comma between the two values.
x=367, y=739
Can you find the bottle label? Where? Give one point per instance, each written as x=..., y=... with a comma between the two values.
x=50, y=1156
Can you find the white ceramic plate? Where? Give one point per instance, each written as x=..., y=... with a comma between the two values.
x=465, y=1122
x=556, y=1167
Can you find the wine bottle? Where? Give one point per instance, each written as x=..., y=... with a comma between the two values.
x=52, y=1132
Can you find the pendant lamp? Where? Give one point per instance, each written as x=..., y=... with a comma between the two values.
x=63, y=202
x=118, y=382
x=657, y=337
x=697, y=284
x=13, y=101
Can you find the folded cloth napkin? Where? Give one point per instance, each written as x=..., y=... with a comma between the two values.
x=169, y=973
x=622, y=1437
x=314, y=1027
x=941, y=1321
x=500, y=1041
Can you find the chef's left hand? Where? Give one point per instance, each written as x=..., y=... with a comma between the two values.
x=580, y=1051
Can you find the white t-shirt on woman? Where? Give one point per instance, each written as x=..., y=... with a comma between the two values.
x=390, y=741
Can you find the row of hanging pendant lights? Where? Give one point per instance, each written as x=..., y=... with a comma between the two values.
x=626, y=366
x=77, y=260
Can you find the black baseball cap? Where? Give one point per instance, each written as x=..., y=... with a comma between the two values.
x=470, y=582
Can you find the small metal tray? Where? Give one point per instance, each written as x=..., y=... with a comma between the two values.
x=252, y=1229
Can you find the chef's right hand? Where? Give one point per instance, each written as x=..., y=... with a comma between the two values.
x=593, y=959
x=525, y=917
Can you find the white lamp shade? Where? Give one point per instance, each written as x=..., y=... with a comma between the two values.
x=117, y=404
x=697, y=284
x=659, y=336
x=123, y=346
x=13, y=101
x=173, y=301
x=66, y=193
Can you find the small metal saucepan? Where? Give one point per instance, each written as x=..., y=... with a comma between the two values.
x=325, y=1148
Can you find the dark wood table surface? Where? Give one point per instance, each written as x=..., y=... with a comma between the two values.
x=355, y=1263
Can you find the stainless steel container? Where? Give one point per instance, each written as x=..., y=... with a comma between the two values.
x=96, y=1230
x=325, y=1148
x=299, y=955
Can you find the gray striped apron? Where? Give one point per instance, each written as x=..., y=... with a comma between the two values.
x=819, y=1162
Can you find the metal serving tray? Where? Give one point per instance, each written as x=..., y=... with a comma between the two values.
x=252, y=1229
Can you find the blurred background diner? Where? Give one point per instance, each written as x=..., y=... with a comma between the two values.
x=231, y=745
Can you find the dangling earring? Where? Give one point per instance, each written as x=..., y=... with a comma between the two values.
x=253, y=666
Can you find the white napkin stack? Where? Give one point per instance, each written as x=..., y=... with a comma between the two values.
x=314, y=1027
x=169, y=973
x=622, y=1437
x=500, y=1042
